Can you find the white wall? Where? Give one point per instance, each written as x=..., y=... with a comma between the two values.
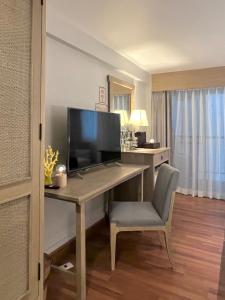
x=72, y=80
x=63, y=27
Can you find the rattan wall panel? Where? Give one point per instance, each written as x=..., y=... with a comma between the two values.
x=15, y=89
x=14, y=248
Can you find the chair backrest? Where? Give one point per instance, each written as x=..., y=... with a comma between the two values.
x=166, y=185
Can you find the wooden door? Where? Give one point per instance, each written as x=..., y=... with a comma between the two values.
x=20, y=148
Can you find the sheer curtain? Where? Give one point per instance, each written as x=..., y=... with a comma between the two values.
x=121, y=102
x=198, y=141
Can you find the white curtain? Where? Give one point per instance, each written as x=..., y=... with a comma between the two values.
x=121, y=102
x=198, y=138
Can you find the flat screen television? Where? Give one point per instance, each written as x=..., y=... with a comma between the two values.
x=93, y=138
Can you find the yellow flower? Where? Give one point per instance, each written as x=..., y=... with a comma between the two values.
x=51, y=158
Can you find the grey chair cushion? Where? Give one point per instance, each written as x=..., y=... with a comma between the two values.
x=134, y=214
x=166, y=183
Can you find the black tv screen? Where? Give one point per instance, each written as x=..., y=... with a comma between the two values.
x=93, y=138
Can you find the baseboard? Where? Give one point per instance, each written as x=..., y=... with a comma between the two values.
x=63, y=251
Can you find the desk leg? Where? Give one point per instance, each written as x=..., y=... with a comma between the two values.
x=141, y=188
x=108, y=198
x=81, y=251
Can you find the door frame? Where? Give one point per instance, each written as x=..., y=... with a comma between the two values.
x=42, y=143
x=38, y=81
x=34, y=185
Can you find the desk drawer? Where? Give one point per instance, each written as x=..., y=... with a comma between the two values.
x=161, y=158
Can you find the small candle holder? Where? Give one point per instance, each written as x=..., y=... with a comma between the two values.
x=61, y=176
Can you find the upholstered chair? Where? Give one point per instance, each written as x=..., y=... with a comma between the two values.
x=146, y=216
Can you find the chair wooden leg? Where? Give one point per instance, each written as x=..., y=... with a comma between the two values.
x=166, y=237
x=113, y=233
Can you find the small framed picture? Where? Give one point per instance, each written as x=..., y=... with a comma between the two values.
x=102, y=98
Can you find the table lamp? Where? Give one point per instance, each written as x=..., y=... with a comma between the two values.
x=139, y=119
x=123, y=117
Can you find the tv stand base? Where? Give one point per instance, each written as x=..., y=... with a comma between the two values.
x=78, y=175
x=113, y=164
x=81, y=174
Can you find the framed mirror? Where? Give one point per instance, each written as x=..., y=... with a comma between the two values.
x=120, y=95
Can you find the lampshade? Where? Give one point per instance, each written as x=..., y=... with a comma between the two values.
x=138, y=117
x=123, y=117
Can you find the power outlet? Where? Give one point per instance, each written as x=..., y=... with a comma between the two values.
x=67, y=266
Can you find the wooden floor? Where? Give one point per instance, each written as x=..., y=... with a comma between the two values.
x=142, y=270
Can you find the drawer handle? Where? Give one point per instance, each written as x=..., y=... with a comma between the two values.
x=161, y=157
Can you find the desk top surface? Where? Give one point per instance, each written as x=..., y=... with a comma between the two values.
x=95, y=182
x=147, y=150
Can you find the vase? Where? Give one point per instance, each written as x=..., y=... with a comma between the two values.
x=48, y=180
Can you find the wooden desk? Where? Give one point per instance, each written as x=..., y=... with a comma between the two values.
x=80, y=191
x=152, y=157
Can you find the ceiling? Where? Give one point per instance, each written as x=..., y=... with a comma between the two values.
x=157, y=35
